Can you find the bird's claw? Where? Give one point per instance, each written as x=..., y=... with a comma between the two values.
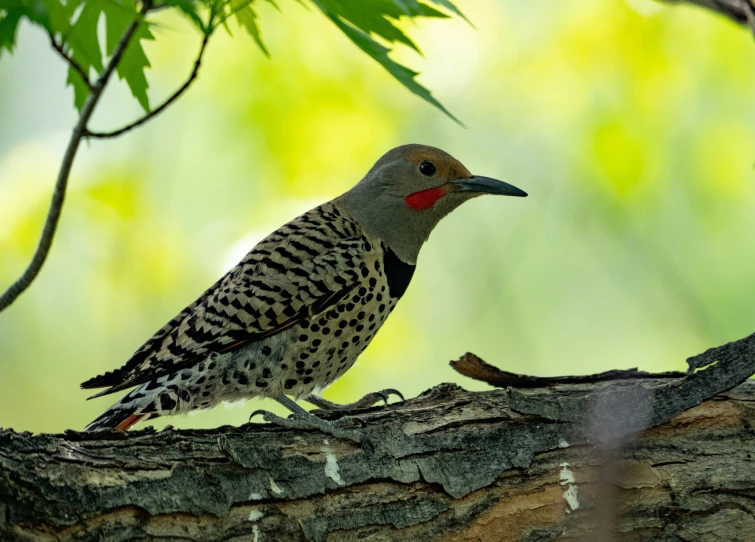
x=265, y=415
x=390, y=391
x=367, y=401
x=311, y=422
x=370, y=399
x=256, y=413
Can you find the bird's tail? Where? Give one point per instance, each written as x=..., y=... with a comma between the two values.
x=130, y=410
x=117, y=420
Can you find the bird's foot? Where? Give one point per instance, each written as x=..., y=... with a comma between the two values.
x=365, y=402
x=307, y=421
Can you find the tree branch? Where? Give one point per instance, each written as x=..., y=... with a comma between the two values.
x=75, y=65
x=53, y=215
x=165, y=104
x=449, y=464
x=473, y=367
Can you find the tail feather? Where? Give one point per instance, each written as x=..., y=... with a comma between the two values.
x=105, y=380
x=119, y=417
x=130, y=421
x=144, y=402
x=149, y=400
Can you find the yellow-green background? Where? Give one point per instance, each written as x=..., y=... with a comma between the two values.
x=631, y=125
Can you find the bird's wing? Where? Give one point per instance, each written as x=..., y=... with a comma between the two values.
x=300, y=270
x=112, y=378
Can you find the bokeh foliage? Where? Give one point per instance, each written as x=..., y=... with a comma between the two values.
x=629, y=124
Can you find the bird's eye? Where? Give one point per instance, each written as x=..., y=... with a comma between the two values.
x=427, y=168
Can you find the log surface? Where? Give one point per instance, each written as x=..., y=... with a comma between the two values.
x=448, y=465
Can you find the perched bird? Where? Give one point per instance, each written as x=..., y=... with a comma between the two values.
x=297, y=311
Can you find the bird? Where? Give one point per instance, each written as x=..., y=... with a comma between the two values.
x=296, y=312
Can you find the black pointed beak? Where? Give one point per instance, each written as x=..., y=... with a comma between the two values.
x=486, y=185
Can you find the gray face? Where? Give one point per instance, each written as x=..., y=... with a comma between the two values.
x=406, y=193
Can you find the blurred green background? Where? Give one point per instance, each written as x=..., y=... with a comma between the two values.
x=629, y=123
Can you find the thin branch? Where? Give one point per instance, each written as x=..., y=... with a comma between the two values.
x=473, y=367
x=158, y=110
x=75, y=65
x=53, y=215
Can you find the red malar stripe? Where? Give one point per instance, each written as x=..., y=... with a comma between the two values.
x=419, y=201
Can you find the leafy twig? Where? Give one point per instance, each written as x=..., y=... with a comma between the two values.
x=158, y=110
x=53, y=215
x=75, y=65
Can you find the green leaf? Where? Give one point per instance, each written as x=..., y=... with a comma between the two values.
x=84, y=48
x=373, y=17
x=59, y=16
x=80, y=88
x=452, y=8
x=116, y=23
x=402, y=74
x=83, y=37
x=361, y=20
x=132, y=66
x=52, y=15
x=125, y=9
x=55, y=16
x=412, y=8
x=8, y=26
x=247, y=19
x=134, y=61
x=189, y=8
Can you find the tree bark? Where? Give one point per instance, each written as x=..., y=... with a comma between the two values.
x=559, y=460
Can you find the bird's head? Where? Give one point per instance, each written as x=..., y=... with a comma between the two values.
x=409, y=190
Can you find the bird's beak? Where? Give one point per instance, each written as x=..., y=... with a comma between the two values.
x=485, y=185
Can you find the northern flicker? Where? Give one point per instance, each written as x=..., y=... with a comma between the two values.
x=296, y=312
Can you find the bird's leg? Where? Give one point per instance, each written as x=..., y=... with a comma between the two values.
x=301, y=419
x=365, y=402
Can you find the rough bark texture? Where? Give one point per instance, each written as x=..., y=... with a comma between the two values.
x=448, y=465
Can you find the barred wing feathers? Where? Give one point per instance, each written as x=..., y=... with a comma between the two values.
x=300, y=270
